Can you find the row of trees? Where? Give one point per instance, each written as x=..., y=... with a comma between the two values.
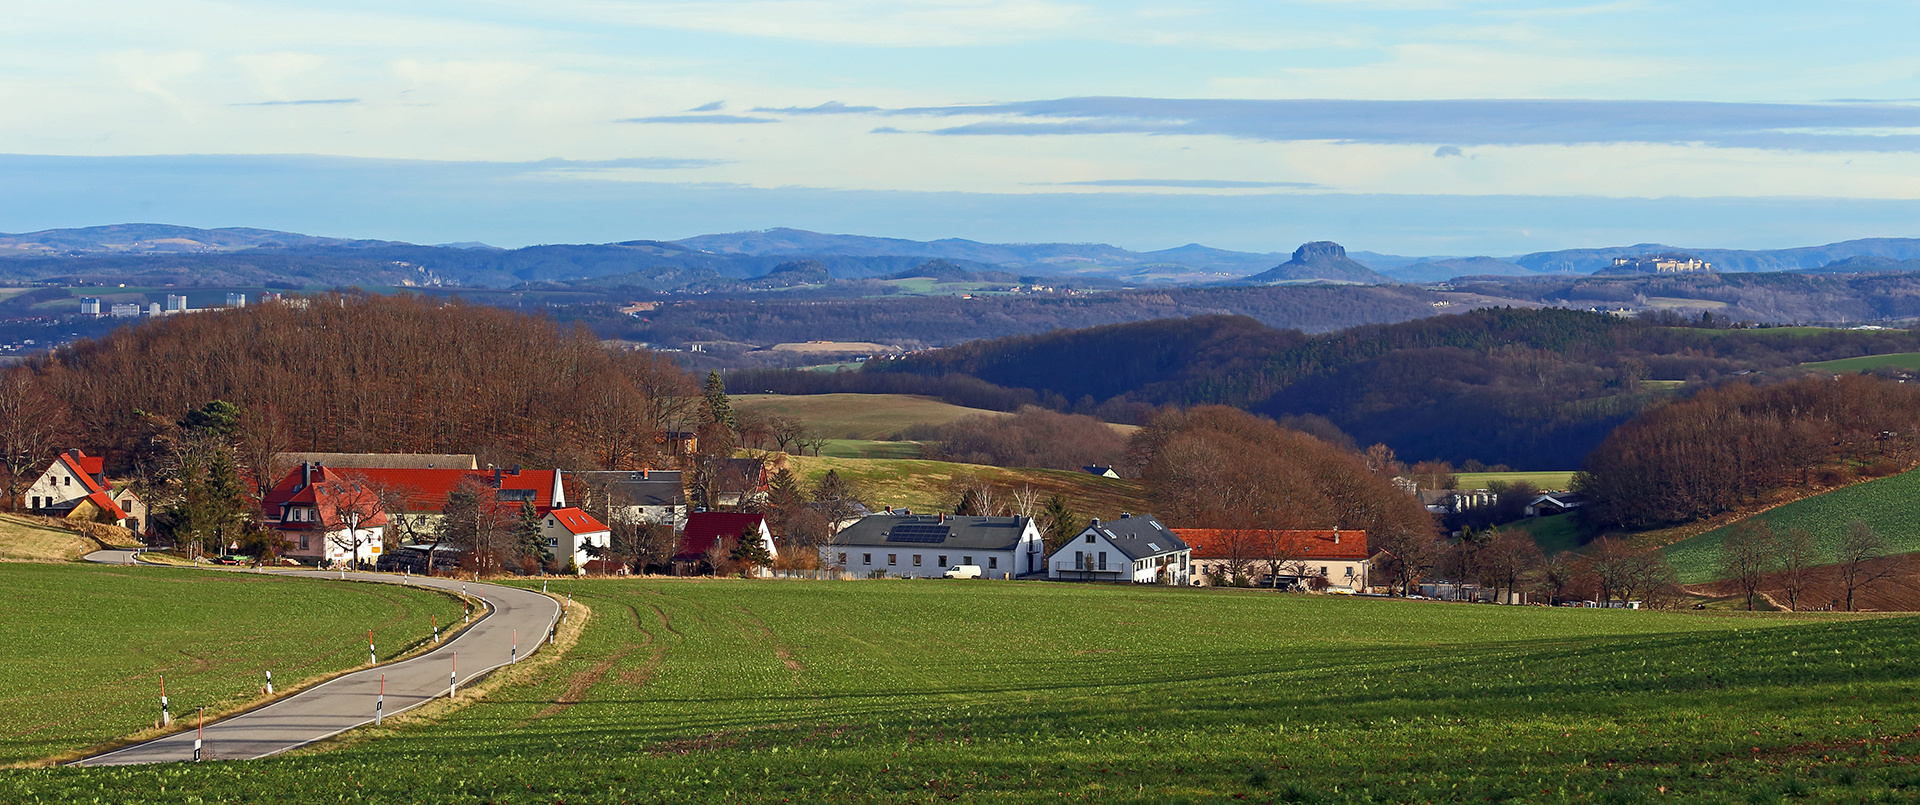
x=1753, y=555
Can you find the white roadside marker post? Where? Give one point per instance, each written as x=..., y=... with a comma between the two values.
x=166, y=716
x=380, y=701
x=269, y=683
x=372, y=657
x=543, y=586
x=514, y=654
x=200, y=736
x=453, y=674
x=436, y=628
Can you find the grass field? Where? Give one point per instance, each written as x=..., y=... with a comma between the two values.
x=24, y=540
x=82, y=647
x=1557, y=481
x=1898, y=360
x=867, y=448
x=1554, y=534
x=924, y=485
x=1885, y=504
x=858, y=416
x=1008, y=692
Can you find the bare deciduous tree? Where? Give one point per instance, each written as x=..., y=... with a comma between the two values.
x=1857, y=552
x=1797, y=560
x=1746, y=555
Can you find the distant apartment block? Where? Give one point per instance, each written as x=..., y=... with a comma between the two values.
x=176, y=303
x=125, y=310
x=1662, y=264
x=89, y=306
x=236, y=300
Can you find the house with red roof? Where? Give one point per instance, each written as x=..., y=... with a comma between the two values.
x=75, y=486
x=574, y=536
x=325, y=515
x=412, y=500
x=705, y=529
x=1338, y=559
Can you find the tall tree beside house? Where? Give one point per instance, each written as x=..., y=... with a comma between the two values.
x=749, y=553
x=719, y=407
x=716, y=443
x=348, y=511
x=1058, y=523
x=1509, y=560
x=33, y=425
x=472, y=521
x=202, y=502
x=529, y=546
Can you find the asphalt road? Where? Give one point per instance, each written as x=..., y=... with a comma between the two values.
x=348, y=701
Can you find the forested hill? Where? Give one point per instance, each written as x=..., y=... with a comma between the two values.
x=1529, y=388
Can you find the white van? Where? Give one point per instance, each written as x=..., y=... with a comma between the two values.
x=962, y=572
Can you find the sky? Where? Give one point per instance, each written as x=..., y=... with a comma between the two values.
x=1430, y=127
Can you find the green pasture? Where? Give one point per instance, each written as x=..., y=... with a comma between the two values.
x=83, y=647
x=867, y=448
x=1557, y=481
x=925, y=485
x=1014, y=692
x=858, y=416
x=1887, y=505
x=1554, y=535
x=1898, y=360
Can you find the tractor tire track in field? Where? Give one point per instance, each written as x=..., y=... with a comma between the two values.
x=780, y=650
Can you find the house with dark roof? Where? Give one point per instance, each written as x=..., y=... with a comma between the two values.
x=1338, y=559
x=1100, y=470
x=925, y=545
x=706, y=529
x=1553, y=503
x=640, y=496
x=1135, y=548
x=75, y=486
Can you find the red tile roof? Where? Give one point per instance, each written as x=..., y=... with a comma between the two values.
x=1211, y=543
x=576, y=521
x=87, y=467
x=705, y=528
x=424, y=490
x=85, y=464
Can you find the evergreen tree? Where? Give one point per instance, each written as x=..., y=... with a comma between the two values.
x=527, y=539
x=719, y=409
x=750, y=553
x=1059, y=523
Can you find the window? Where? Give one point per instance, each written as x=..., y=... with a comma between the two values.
x=893, y=558
x=943, y=560
x=1079, y=560
x=916, y=560
x=866, y=559
x=843, y=558
x=968, y=560
x=67, y=481
x=1103, y=560
x=303, y=542
x=554, y=542
x=1089, y=539
x=1323, y=570
x=36, y=501
x=992, y=561
x=1349, y=571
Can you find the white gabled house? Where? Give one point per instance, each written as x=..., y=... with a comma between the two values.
x=1134, y=548
x=926, y=545
x=570, y=532
x=75, y=486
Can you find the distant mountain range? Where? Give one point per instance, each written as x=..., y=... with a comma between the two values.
x=713, y=261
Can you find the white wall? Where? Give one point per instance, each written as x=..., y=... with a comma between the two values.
x=864, y=559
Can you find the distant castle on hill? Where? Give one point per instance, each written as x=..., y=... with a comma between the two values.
x=1661, y=264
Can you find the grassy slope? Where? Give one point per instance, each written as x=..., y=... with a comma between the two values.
x=1010, y=692
x=1541, y=480
x=1900, y=360
x=858, y=416
x=22, y=539
x=1885, y=504
x=82, y=647
x=924, y=485
x=1554, y=534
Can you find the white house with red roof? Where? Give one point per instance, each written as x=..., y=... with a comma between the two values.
x=75, y=486
x=325, y=515
x=571, y=532
x=704, y=529
x=1338, y=559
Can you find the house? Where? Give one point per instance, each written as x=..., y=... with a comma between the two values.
x=324, y=515
x=75, y=486
x=1553, y=503
x=1104, y=472
x=926, y=545
x=570, y=533
x=411, y=499
x=1134, y=548
x=704, y=529
x=640, y=496
x=740, y=480
x=1336, y=558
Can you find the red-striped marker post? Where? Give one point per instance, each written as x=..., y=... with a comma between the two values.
x=201, y=735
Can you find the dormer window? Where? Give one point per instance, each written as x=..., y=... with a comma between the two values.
x=1089, y=539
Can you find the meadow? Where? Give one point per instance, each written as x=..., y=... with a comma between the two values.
x=1884, y=504
x=83, y=647
x=1898, y=360
x=925, y=485
x=897, y=691
x=1559, y=481
x=22, y=539
x=858, y=416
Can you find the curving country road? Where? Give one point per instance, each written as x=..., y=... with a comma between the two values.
x=347, y=702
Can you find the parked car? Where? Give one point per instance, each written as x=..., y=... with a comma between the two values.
x=962, y=572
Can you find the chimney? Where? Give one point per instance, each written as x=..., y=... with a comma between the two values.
x=306, y=474
x=73, y=453
x=644, y=473
x=1096, y=522
x=1125, y=515
x=516, y=469
x=559, y=492
x=1336, y=535
x=496, y=477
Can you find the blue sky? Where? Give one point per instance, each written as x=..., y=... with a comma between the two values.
x=1409, y=126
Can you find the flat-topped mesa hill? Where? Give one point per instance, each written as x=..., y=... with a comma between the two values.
x=1321, y=260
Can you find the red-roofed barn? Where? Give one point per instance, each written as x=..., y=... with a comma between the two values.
x=706, y=528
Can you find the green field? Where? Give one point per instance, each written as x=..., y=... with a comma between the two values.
x=858, y=416
x=1886, y=504
x=923, y=485
x=1557, y=481
x=867, y=448
x=1011, y=692
x=1554, y=534
x=82, y=647
x=1898, y=360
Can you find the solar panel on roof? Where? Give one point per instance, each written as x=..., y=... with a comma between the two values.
x=917, y=532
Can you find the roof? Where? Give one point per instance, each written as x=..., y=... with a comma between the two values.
x=85, y=464
x=1564, y=500
x=576, y=521
x=1215, y=543
x=705, y=528
x=1139, y=536
x=640, y=487
x=88, y=468
x=419, y=461
x=1096, y=469
x=424, y=491
x=935, y=531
